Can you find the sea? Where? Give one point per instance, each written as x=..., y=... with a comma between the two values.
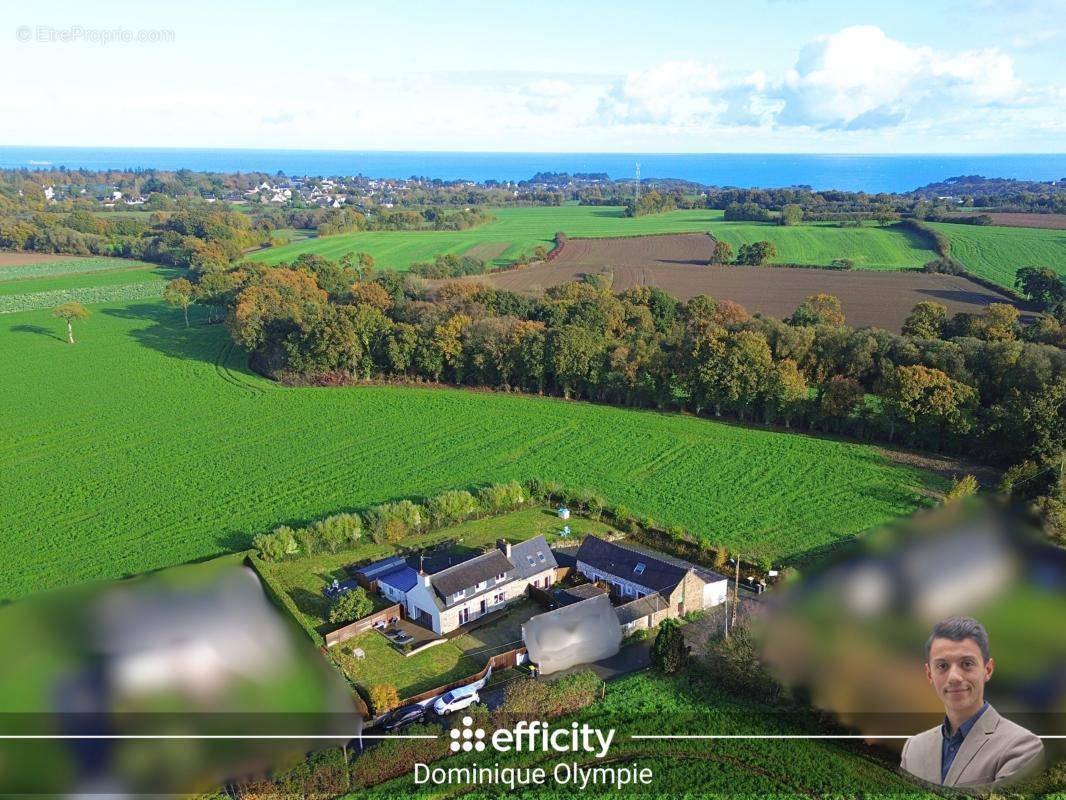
x=869, y=173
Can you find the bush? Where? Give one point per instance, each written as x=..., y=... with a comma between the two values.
x=944, y=265
x=451, y=508
x=529, y=698
x=350, y=606
x=277, y=545
x=961, y=488
x=392, y=521
x=842, y=263
x=394, y=756
x=307, y=539
x=339, y=530
x=384, y=697
x=501, y=497
x=668, y=650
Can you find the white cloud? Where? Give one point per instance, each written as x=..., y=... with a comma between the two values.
x=673, y=93
x=860, y=77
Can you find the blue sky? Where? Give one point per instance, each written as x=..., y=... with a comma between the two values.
x=770, y=76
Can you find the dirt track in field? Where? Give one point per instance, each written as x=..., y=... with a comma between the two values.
x=17, y=259
x=677, y=265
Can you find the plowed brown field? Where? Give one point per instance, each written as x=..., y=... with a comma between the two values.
x=677, y=265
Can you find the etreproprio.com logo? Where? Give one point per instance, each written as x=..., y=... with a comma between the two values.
x=535, y=736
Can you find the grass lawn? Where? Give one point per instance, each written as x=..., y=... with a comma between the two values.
x=148, y=444
x=302, y=579
x=996, y=253
x=501, y=635
x=519, y=230
x=435, y=666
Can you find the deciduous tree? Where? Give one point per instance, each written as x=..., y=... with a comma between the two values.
x=69, y=312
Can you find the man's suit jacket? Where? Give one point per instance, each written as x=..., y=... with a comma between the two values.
x=994, y=752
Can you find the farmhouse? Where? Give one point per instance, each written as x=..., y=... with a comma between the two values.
x=650, y=588
x=462, y=593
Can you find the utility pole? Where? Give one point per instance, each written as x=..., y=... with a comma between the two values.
x=736, y=593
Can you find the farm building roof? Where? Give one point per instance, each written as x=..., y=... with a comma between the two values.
x=574, y=594
x=639, y=608
x=636, y=567
x=375, y=569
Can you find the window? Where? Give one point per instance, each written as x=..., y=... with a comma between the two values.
x=497, y=598
x=481, y=586
x=540, y=556
x=532, y=563
x=501, y=577
x=639, y=568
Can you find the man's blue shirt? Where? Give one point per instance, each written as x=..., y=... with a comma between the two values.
x=950, y=746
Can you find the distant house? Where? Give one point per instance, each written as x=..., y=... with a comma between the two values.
x=669, y=588
x=460, y=594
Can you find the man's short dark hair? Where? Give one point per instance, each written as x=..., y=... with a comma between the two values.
x=958, y=629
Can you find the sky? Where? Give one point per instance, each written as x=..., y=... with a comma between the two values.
x=936, y=76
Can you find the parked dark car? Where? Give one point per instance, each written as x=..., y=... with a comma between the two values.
x=403, y=716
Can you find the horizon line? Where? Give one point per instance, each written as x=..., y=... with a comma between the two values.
x=537, y=152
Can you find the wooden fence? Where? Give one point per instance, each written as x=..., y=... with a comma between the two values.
x=366, y=623
x=499, y=661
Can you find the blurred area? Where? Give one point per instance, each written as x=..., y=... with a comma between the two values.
x=136, y=675
x=851, y=634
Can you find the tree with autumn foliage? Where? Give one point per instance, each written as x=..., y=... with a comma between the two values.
x=926, y=320
x=929, y=401
x=819, y=309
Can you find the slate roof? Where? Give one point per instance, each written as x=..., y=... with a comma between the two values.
x=613, y=559
x=470, y=573
x=584, y=591
x=639, y=608
x=532, y=556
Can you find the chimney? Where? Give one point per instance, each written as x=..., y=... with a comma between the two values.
x=423, y=578
x=504, y=547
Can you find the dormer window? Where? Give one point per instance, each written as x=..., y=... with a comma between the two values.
x=502, y=576
x=639, y=568
x=540, y=556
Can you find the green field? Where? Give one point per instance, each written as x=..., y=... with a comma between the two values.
x=519, y=230
x=870, y=247
x=996, y=253
x=47, y=284
x=148, y=444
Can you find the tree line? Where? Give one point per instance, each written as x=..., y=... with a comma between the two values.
x=311, y=322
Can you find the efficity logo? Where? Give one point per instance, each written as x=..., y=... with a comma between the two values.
x=579, y=740
x=532, y=736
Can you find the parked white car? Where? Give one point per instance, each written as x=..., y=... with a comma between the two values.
x=455, y=700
